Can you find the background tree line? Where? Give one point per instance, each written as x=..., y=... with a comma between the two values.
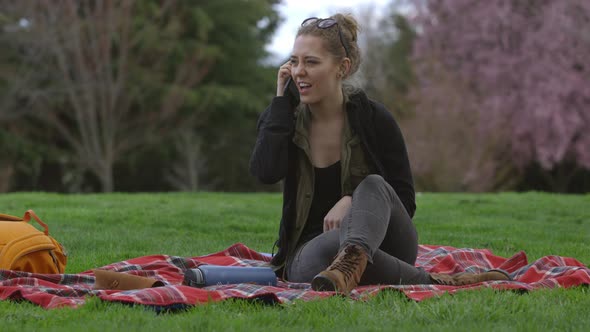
x=164, y=95
x=132, y=95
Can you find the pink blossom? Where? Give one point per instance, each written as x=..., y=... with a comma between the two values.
x=525, y=63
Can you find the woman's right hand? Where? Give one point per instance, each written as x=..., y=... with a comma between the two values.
x=282, y=77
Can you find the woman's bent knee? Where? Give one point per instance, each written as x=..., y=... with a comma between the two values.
x=375, y=183
x=374, y=180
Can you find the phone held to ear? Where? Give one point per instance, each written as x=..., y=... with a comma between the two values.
x=291, y=92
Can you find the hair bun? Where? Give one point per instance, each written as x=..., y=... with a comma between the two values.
x=348, y=22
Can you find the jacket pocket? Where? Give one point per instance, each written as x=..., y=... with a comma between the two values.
x=357, y=174
x=359, y=168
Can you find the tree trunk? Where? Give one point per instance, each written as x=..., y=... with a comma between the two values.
x=106, y=178
x=560, y=177
x=6, y=172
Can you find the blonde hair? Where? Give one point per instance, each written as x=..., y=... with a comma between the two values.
x=349, y=28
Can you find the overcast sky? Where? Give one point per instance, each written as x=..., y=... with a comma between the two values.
x=295, y=11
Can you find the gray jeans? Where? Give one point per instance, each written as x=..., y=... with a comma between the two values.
x=378, y=222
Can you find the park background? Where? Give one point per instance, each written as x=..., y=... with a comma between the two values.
x=145, y=95
x=141, y=96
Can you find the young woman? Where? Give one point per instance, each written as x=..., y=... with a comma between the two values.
x=348, y=194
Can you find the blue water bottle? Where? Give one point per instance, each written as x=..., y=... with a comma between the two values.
x=208, y=275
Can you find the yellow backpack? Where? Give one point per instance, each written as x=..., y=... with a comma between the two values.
x=25, y=248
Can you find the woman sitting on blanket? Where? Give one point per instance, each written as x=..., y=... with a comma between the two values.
x=348, y=197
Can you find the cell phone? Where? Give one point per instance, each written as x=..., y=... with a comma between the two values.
x=292, y=92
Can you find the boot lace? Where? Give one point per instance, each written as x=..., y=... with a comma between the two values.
x=348, y=263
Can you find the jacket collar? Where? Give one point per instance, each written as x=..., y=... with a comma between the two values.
x=303, y=120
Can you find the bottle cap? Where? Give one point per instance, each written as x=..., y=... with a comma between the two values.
x=194, y=278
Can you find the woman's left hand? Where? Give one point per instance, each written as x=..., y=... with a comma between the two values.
x=333, y=219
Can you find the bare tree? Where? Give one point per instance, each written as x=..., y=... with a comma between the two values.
x=184, y=173
x=93, y=51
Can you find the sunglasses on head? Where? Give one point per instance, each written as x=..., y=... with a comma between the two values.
x=326, y=23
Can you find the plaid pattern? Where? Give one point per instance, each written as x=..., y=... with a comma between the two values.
x=71, y=290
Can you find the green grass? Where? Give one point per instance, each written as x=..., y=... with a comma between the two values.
x=102, y=229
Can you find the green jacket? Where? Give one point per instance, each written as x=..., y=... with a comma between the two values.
x=354, y=168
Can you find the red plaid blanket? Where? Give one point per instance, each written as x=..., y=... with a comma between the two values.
x=71, y=290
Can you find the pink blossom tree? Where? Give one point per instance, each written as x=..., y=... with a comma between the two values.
x=525, y=69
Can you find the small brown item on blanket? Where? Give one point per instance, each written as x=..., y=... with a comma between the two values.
x=122, y=281
x=465, y=278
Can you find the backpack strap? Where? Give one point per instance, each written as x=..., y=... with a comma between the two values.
x=27, y=218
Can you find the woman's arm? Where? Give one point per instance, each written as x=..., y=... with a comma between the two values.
x=276, y=125
x=393, y=155
x=334, y=217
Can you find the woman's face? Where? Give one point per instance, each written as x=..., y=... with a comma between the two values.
x=314, y=70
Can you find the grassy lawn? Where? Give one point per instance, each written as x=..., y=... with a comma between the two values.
x=102, y=229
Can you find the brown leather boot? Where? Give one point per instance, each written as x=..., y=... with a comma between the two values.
x=465, y=278
x=105, y=279
x=345, y=272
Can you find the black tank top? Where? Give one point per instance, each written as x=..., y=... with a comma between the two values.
x=326, y=193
